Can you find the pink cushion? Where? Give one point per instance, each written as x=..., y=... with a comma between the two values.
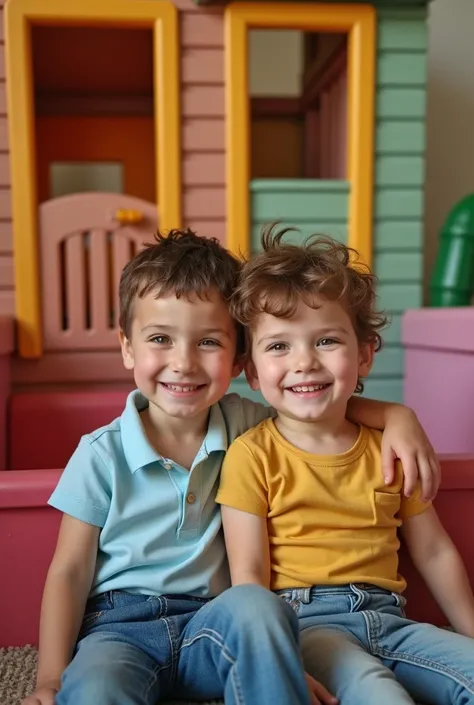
x=45, y=427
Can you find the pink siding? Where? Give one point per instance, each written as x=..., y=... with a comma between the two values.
x=202, y=101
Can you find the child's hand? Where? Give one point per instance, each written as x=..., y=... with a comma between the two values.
x=318, y=693
x=404, y=438
x=42, y=696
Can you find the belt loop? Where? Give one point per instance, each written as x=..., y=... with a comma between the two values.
x=306, y=597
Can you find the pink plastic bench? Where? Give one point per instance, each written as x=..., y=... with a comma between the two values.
x=28, y=529
x=45, y=427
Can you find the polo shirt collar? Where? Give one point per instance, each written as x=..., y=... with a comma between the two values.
x=138, y=450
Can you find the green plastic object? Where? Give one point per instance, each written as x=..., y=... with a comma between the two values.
x=452, y=281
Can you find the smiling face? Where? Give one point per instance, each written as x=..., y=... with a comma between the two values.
x=307, y=366
x=182, y=353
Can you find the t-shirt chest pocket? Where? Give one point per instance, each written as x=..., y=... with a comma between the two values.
x=386, y=508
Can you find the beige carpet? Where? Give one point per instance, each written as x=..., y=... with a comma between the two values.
x=17, y=675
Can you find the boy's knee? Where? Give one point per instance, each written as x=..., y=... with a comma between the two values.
x=256, y=605
x=94, y=688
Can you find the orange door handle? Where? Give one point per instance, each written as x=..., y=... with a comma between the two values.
x=128, y=216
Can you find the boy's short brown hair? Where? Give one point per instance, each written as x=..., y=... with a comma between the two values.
x=276, y=279
x=181, y=263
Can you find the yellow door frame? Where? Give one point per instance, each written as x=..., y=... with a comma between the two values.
x=159, y=15
x=358, y=21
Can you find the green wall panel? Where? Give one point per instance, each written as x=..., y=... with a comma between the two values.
x=401, y=68
x=403, y=234
x=403, y=171
x=299, y=201
x=399, y=266
x=392, y=333
x=396, y=202
x=401, y=102
x=384, y=389
x=400, y=137
x=402, y=34
x=388, y=362
x=396, y=298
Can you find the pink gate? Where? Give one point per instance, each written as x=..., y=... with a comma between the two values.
x=85, y=241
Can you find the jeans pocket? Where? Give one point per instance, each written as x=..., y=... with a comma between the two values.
x=88, y=621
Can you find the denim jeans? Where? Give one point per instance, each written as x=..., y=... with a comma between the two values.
x=356, y=640
x=137, y=650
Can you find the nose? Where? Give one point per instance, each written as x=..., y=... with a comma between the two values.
x=183, y=359
x=306, y=360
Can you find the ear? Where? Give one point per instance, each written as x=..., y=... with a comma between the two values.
x=366, y=358
x=127, y=351
x=251, y=375
x=238, y=366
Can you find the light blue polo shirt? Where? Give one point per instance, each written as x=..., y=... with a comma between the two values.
x=160, y=526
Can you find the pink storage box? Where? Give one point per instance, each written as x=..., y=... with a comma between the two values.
x=439, y=374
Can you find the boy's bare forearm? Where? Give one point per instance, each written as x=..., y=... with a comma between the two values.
x=62, y=610
x=447, y=579
x=369, y=412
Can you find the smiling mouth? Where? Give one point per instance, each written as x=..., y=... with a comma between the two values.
x=182, y=388
x=302, y=388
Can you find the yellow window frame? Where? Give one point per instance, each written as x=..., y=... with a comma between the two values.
x=359, y=22
x=159, y=15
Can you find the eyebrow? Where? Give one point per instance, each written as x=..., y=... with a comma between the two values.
x=323, y=331
x=170, y=329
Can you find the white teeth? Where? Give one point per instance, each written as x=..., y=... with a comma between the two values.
x=176, y=388
x=305, y=388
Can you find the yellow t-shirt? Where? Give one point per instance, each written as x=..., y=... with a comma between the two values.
x=331, y=519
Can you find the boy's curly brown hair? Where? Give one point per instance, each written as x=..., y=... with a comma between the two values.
x=282, y=274
x=182, y=263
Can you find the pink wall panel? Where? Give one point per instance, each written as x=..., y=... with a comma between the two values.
x=7, y=302
x=210, y=174
x=4, y=169
x=202, y=66
x=6, y=271
x=203, y=110
x=203, y=101
x=203, y=29
x=5, y=204
x=3, y=127
x=203, y=135
x=5, y=237
x=204, y=203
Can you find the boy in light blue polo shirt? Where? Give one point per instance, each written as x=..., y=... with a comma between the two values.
x=137, y=606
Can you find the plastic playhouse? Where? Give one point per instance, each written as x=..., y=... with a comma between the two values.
x=122, y=116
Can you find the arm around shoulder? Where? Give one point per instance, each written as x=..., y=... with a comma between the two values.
x=403, y=438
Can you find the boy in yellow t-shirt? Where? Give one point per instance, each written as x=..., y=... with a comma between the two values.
x=304, y=505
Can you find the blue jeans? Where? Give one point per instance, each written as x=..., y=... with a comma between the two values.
x=137, y=650
x=356, y=640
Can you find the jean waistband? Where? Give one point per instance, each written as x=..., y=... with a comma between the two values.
x=306, y=594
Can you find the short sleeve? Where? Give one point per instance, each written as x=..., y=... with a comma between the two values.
x=84, y=488
x=242, y=484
